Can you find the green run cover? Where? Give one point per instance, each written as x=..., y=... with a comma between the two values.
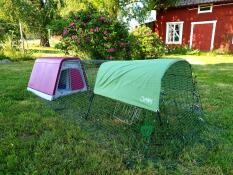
x=136, y=83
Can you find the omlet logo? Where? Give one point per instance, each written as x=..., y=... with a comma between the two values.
x=146, y=100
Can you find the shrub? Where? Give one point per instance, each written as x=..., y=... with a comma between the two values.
x=149, y=45
x=14, y=54
x=182, y=50
x=2, y=56
x=101, y=36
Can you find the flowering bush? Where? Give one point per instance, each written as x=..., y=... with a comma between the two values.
x=149, y=45
x=99, y=35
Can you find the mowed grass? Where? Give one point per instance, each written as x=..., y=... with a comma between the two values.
x=34, y=139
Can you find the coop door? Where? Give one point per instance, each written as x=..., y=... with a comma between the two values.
x=64, y=80
x=76, y=79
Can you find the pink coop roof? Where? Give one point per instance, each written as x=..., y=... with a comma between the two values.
x=45, y=74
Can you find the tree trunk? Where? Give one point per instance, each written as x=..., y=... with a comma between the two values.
x=44, y=40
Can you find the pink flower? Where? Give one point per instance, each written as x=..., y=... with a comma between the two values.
x=76, y=17
x=96, y=29
x=66, y=31
x=74, y=37
x=110, y=57
x=72, y=24
x=105, y=32
x=92, y=30
x=78, y=42
x=101, y=18
x=111, y=50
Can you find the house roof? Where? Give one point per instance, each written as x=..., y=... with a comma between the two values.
x=196, y=2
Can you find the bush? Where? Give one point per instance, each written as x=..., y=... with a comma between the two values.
x=97, y=34
x=14, y=54
x=148, y=45
x=2, y=56
x=182, y=50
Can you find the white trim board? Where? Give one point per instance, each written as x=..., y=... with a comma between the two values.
x=41, y=94
x=214, y=22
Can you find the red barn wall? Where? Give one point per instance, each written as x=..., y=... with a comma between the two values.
x=222, y=13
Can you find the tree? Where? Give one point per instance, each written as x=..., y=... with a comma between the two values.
x=36, y=14
x=112, y=7
x=140, y=13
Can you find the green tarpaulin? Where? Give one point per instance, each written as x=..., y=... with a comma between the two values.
x=136, y=83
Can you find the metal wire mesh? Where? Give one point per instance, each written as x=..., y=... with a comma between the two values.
x=180, y=108
x=134, y=132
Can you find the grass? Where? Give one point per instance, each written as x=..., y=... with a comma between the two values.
x=207, y=58
x=36, y=139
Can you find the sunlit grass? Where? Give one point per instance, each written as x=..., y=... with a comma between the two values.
x=208, y=58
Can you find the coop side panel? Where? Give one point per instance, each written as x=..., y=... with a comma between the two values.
x=43, y=77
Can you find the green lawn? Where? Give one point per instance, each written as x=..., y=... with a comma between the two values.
x=36, y=139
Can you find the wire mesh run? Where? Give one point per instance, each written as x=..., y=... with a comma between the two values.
x=134, y=132
x=127, y=114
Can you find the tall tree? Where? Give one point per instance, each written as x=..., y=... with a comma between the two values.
x=36, y=14
x=140, y=12
x=112, y=7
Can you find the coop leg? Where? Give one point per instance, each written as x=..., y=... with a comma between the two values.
x=91, y=99
x=159, y=118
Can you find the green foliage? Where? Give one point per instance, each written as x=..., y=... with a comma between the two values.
x=15, y=55
x=57, y=26
x=140, y=13
x=2, y=56
x=112, y=7
x=36, y=15
x=13, y=52
x=182, y=50
x=8, y=31
x=95, y=33
x=149, y=43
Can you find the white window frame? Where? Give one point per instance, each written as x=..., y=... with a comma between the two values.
x=206, y=11
x=181, y=32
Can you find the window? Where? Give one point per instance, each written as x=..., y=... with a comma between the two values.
x=174, y=32
x=206, y=8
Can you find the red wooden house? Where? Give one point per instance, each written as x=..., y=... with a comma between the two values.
x=200, y=24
